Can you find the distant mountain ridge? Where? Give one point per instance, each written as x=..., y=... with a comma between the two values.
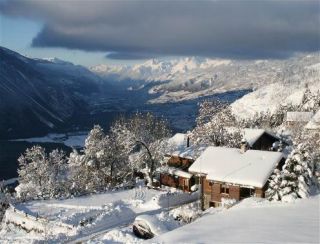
x=38, y=95
x=189, y=78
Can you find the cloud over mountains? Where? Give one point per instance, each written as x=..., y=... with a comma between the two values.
x=138, y=29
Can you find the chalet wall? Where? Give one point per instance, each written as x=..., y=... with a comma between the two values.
x=264, y=142
x=169, y=180
x=259, y=192
x=178, y=162
x=212, y=192
x=176, y=182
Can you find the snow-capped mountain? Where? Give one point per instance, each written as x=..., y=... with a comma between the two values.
x=156, y=70
x=37, y=95
x=188, y=78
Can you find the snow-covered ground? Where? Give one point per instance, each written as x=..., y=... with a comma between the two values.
x=84, y=217
x=158, y=223
x=253, y=221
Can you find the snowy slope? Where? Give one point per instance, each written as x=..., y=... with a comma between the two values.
x=253, y=221
x=288, y=90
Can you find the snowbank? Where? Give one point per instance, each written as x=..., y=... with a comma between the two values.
x=170, y=199
x=253, y=221
x=31, y=223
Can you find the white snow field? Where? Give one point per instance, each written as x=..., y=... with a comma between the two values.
x=70, y=140
x=253, y=221
x=82, y=218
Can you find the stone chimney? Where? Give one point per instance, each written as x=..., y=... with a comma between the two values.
x=243, y=146
x=188, y=141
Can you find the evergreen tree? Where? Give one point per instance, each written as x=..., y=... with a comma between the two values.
x=273, y=192
x=295, y=179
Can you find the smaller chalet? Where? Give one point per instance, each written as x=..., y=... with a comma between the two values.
x=259, y=139
x=232, y=173
x=298, y=118
x=177, y=178
x=180, y=158
x=314, y=123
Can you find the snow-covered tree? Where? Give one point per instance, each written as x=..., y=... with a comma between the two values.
x=274, y=192
x=141, y=137
x=33, y=173
x=58, y=183
x=76, y=172
x=295, y=179
x=216, y=126
x=42, y=175
x=5, y=199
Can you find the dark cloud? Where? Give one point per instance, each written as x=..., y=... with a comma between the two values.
x=137, y=29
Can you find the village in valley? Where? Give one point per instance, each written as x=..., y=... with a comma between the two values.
x=140, y=182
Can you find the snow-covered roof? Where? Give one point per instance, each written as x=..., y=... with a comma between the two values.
x=187, y=152
x=176, y=171
x=178, y=147
x=252, y=168
x=252, y=135
x=299, y=116
x=314, y=123
x=178, y=140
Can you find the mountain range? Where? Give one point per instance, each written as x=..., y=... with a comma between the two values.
x=38, y=96
x=188, y=78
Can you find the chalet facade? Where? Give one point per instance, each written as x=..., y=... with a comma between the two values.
x=298, y=118
x=231, y=173
x=176, y=178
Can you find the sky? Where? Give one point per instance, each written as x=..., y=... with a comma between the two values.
x=91, y=32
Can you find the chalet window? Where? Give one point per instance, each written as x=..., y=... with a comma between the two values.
x=224, y=189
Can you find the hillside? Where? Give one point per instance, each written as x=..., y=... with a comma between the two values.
x=38, y=95
x=288, y=90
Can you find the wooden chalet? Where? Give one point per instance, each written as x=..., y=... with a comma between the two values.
x=259, y=139
x=175, y=172
x=232, y=173
x=314, y=124
x=177, y=178
x=298, y=118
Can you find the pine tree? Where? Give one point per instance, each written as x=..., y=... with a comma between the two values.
x=273, y=192
x=295, y=179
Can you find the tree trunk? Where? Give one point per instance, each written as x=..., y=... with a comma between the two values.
x=152, y=162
